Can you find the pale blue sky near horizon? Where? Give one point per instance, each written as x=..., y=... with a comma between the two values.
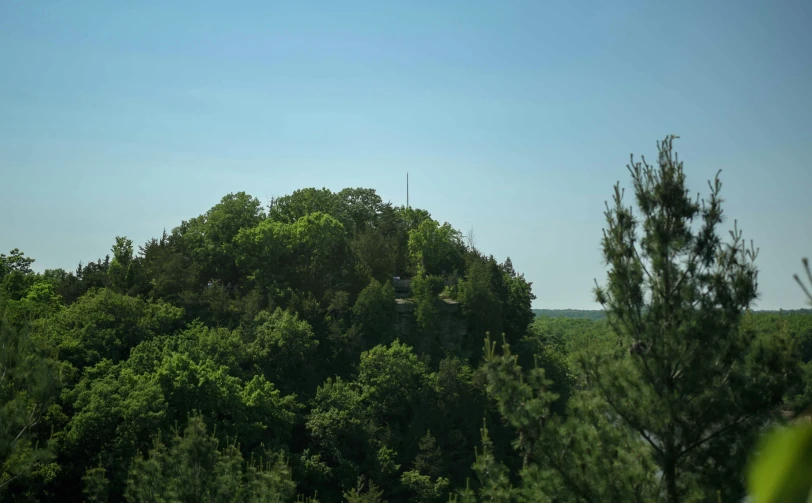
x=514, y=118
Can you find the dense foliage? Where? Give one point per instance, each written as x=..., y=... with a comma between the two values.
x=267, y=354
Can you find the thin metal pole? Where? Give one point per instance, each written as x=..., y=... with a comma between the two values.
x=407, y=189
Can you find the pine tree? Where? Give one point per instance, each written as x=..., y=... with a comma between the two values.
x=695, y=384
x=373, y=493
x=193, y=468
x=808, y=277
x=580, y=457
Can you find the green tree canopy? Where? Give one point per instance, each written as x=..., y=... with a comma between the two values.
x=695, y=384
x=29, y=384
x=437, y=249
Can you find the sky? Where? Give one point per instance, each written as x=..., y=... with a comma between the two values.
x=512, y=118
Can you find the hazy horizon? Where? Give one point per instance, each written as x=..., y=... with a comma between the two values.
x=514, y=119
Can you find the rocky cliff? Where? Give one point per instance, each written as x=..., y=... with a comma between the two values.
x=452, y=327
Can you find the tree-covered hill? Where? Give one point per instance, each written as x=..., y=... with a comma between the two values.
x=276, y=327
x=334, y=347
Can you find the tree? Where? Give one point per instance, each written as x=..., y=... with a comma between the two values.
x=427, y=465
x=517, y=312
x=288, y=209
x=192, y=468
x=263, y=251
x=538, y=349
x=318, y=242
x=144, y=342
x=15, y=274
x=122, y=269
x=397, y=384
x=284, y=347
x=361, y=207
x=375, y=254
x=470, y=240
x=583, y=455
x=396, y=223
x=209, y=239
x=426, y=311
x=115, y=412
x=104, y=324
x=342, y=428
x=356, y=494
x=39, y=301
x=479, y=304
x=14, y=261
x=694, y=383
x=29, y=383
x=167, y=267
x=437, y=249
x=372, y=312
x=670, y=403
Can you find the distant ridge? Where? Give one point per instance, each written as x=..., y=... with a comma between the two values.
x=586, y=314
x=570, y=313
x=785, y=311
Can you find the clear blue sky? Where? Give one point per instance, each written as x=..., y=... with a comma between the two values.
x=512, y=117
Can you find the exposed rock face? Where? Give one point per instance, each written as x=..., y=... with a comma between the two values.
x=452, y=330
x=403, y=288
x=405, y=322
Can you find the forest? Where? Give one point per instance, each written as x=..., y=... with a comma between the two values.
x=331, y=347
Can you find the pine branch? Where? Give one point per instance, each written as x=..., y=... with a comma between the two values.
x=651, y=377
x=568, y=480
x=805, y=262
x=642, y=263
x=7, y=482
x=628, y=420
x=713, y=435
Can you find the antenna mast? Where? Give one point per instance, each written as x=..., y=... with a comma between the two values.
x=407, y=189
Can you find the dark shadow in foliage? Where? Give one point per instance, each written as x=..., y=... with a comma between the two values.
x=29, y=384
x=373, y=313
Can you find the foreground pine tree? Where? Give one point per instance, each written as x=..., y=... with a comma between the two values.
x=694, y=384
x=670, y=406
